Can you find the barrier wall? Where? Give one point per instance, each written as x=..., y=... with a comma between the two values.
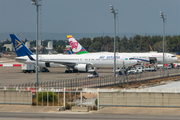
x=16, y=97
x=139, y=99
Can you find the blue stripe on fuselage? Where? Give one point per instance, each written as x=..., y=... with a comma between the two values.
x=141, y=60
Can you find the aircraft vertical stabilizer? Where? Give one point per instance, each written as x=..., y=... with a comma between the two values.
x=76, y=47
x=20, y=48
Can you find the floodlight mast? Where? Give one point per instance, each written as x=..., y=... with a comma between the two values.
x=36, y=2
x=112, y=10
x=162, y=16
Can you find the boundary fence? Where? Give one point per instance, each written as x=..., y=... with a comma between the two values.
x=79, y=83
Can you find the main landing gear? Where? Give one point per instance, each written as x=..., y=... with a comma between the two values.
x=68, y=71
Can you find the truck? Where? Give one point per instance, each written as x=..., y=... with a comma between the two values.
x=28, y=68
x=93, y=73
x=150, y=67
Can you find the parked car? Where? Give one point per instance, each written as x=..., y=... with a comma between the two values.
x=135, y=70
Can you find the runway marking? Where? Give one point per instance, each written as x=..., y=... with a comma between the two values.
x=10, y=65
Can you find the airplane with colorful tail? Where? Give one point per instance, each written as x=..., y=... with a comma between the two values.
x=149, y=57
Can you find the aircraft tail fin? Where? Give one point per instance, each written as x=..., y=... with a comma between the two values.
x=20, y=48
x=76, y=47
x=69, y=52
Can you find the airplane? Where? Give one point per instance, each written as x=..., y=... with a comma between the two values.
x=22, y=54
x=79, y=62
x=149, y=57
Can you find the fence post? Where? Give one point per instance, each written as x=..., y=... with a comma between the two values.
x=47, y=99
x=64, y=96
x=70, y=98
x=42, y=98
x=81, y=98
x=58, y=97
x=98, y=98
x=37, y=96
x=53, y=98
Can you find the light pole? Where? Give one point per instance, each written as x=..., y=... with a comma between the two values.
x=112, y=10
x=36, y=2
x=162, y=16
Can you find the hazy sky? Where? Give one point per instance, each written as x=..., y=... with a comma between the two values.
x=90, y=16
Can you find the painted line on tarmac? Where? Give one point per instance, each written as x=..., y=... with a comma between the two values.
x=10, y=65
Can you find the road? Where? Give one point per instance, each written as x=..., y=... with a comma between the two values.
x=60, y=116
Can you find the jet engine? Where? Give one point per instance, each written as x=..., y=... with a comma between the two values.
x=81, y=67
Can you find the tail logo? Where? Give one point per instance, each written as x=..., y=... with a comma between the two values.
x=74, y=46
x=17, y=43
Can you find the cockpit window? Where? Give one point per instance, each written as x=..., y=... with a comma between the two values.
x=173, y=56
x=131, y=58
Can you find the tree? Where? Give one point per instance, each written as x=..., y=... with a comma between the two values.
x=8, y=49
x=59, y=49
x=85, y=42
x=95, y=47
x=109, y=47
x=158, y=46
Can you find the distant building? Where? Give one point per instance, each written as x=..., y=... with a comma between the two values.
x=50, y=48
x=10, y=46
x=68, y=47
x=27, y=44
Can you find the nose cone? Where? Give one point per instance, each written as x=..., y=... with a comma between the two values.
x=176, y=59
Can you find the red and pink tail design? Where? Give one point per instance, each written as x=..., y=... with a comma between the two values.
x=76, y=47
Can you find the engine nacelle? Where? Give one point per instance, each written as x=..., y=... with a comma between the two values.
x=81, y=67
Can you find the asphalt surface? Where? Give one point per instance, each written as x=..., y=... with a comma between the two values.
x=14, y=75
x=13, y=112
x=53, y=116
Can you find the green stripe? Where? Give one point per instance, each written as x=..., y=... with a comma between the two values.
x=82, y=52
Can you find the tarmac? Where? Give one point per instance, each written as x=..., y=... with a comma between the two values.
x=105, y=110
x=14, y=75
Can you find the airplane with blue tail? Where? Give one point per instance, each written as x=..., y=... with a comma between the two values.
x=24, y=55
x=75, y=62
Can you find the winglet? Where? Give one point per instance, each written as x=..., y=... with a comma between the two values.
x=20, y=48
x=76, y=47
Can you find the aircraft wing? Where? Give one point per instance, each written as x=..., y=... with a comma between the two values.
x=67, y=63
x=20, y=59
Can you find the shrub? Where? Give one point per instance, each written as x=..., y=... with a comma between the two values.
x=96, y=102
x=67, y=106
x=43, y=95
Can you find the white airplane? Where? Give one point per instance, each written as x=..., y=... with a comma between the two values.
x=150, y=57
x=22, y=54
x=76, y=62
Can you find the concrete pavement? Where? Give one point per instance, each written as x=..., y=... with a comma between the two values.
x=106, y=110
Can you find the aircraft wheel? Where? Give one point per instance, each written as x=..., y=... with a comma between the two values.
x=75, y=71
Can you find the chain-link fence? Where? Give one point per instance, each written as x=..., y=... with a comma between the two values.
x=79, y=83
